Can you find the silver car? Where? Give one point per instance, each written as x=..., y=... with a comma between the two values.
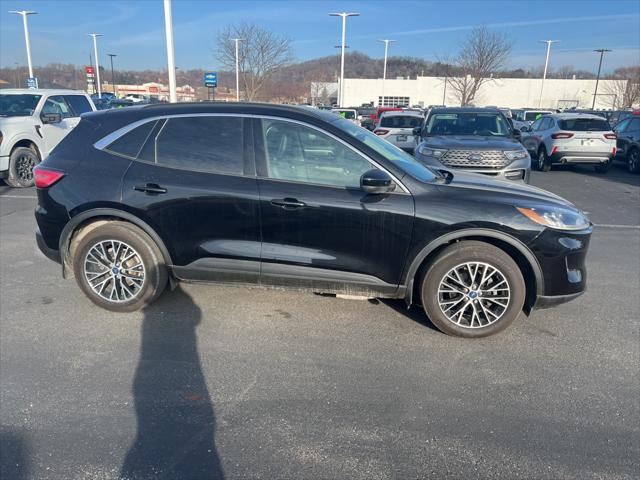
x=570, y=138
x=397, y=128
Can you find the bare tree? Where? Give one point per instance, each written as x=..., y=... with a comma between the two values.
x=483, y=53
x=624, y=90
x=261, y=53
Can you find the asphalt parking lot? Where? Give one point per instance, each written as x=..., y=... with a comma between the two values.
x=247, y=383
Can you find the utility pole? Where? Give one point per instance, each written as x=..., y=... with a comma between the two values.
x=601, y=51
x=171, y=61
x=113, y=77
x=546, y=65
x=237, y=69
x=27, y=41
x=95, y=54
x=344, y=16
x=384, y=69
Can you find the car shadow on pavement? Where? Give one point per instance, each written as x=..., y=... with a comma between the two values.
x=14, y=451
x=175, y=415
x=617, y=173
x=415, y=313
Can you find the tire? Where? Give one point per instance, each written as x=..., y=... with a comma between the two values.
x=21, y=163
x=111, y=286
x=633, y=161
x=480, y=316
x=603, y=167
x=544, y=164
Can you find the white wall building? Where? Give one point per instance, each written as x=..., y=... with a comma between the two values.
x=501, y=92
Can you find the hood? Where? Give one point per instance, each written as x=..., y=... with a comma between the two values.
x=471, y=142
x=21, y=121
x=514, y=193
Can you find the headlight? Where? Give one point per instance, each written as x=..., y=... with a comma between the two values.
x=515, y=154
x=430, y=152
x=559, y=218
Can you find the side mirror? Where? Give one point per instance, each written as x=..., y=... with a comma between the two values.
x=417, y=131
x=51, y=118
x=524, y=128
x=377, y=181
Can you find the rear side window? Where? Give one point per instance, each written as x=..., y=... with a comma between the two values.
x=585, y=125
x=210, y=144
x=131, y=142
x=78, y=103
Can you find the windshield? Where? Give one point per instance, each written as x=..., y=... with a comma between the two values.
x=585, y=125
x=467, y=123
x=22, y=105
x=398, y=157
x=400, y=121
x=532, y=116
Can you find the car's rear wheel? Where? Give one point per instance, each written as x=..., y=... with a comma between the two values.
x=544, y=164
x=472, y=289
x=603, y=167
x=633, y=161
x=119, y=267
x=21, y=164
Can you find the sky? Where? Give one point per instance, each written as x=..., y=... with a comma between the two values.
x=134, y=29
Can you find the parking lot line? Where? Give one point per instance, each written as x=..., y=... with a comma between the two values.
x=604, y=225
x=18, y=196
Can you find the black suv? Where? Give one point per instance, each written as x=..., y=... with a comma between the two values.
x=288, y=196
x=628, y=143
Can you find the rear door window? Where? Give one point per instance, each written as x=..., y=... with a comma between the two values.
x=211, y=144
x=131, y=142
x=585, y=125
x=78, y=103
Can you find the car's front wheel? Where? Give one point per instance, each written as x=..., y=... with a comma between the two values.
x=118, y=266
x=21, y=164
x=472, y=289
x=633, y=161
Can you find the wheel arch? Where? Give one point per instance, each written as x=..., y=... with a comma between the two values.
x=518, y=251
x=27, y=143
x=81, y=220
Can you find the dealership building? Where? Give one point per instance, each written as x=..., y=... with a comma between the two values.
x=501, y=92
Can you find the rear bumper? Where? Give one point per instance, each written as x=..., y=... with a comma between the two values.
x=48, y=252
x=581, y=157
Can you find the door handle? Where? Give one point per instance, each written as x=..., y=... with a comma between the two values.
x=288, y=203
x=150, y=189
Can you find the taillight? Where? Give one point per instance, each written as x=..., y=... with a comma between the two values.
x=381, y=131
x=561, y=135
x=610, y=136
x=554, y=150
x=44, y=177
x=613, y=151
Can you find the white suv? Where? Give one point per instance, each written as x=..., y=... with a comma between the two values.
x=570, y=138
x=32, y=123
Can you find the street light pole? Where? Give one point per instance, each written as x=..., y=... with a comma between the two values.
x=27, y=41
x=171, y=61
x=344, y=16
x=546, y=65
x=384, y=69
x=237, y=69
x=602, y=52
x=95, y=54
x=113, y=77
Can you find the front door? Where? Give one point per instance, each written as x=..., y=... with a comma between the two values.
x=53, y=133
x=319, y=229
x=194, y=183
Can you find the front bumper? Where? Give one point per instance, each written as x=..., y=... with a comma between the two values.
x=561, y=256
x=4, y=165
x=518, y=170
x=48, y=252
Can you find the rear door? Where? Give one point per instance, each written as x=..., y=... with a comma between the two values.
x=194, y=183
x=319, y=230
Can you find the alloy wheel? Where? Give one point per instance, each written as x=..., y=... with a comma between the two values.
x=634, y=161
x=474, y=295
x=24, y=167
x=114, y=271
